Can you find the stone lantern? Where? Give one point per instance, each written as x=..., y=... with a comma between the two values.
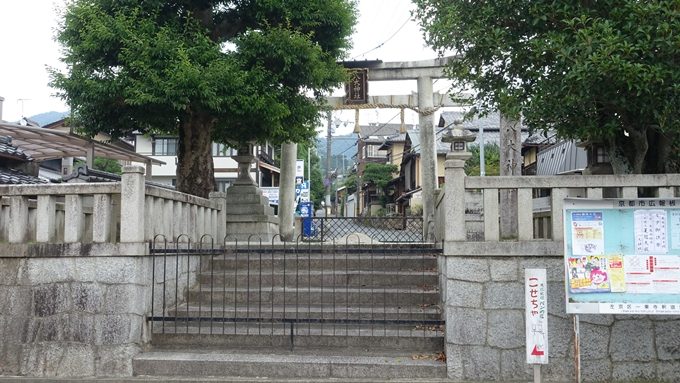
x=244, y=160
x=454, y=183
x=459, y=139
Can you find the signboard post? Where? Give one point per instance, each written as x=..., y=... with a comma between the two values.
x=536, y=306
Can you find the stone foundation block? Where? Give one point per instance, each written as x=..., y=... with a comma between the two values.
x=506, y=329
x=514, y=365
x=632, y=341
x=481, y=363
x=503, y=270
x=466, y=326
x=668, y=340
x=464, y=294
x=634, y=371
x=504, y=295
x=464, y=269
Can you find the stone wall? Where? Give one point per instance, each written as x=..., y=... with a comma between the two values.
x=486, y=334
x=72, y=316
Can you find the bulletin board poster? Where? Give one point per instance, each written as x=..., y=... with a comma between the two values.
x=622, y=256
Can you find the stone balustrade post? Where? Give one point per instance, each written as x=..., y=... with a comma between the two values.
x=132, y=204
x=454, y=176
x=18, y=218
x=454, y=228
x=220, y=230
x=46, y=222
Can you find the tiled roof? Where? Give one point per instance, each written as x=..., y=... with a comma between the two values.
x=8, y=150
x=381, y=130
x=13, y=177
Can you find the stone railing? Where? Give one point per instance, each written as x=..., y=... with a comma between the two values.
x=482, y=281
x=121, y=212
x=531, y=233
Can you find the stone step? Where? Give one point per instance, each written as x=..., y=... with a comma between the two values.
x=245, y=198
x=326, y=278
x=251, y=208
x=177, y=335
x=327, y=312
x=315, y=295
x=379, y=262
x=199, y=363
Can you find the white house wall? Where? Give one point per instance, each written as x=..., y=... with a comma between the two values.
x=225, y=167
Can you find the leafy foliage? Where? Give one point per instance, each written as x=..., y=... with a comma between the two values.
x=107, y=165
x=605, y=71
x=492, y=159
x=379, y=174
x=236, y=72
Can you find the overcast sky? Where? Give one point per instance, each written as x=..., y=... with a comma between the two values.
x=385, y=31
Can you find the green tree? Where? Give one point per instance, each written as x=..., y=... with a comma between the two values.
x=492, y=159
x=379, y=174
x=107, y=165
x=605, y=71
x=234, y=72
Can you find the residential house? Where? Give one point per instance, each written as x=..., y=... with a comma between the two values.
x=410, y=178
x=370, y=149
x=165, y=148
x=16, y=167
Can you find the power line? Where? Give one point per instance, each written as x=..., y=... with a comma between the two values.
x=386, y=41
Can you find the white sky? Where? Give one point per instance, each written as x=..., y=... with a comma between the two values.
x=27, y=48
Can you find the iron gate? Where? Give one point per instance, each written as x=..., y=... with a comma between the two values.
x=295, y=289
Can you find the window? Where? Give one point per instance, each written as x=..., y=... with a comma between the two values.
x=372, y=151
x=165, y=146
x=222, y=150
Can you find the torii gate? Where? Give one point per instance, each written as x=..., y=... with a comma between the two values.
x=427, y=103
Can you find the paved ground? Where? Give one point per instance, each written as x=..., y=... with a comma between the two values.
x=227, y=380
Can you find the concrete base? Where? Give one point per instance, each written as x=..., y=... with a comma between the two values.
x=249, y=216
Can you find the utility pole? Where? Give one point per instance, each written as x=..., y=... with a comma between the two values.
x=327, y=181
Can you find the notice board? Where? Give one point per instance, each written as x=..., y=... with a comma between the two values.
x=622, y=256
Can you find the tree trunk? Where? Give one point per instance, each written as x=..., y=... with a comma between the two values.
x=628, y=154
x=195, y=170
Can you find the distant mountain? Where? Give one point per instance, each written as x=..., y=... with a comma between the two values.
x=340, y=145
x=48, y=117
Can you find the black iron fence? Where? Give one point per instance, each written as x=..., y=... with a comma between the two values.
x=301, y=292
x=379, y=229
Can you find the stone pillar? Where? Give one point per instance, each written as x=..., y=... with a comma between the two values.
x=428, y=153
x=221, y=199
x=454, y=202
x=511, y=165
x=18, y=216
x=132, y=204
x=287, y=191
x=45, y=220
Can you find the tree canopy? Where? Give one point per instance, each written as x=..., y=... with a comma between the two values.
x=379, y=174
x=234, y=72
x=602, y=71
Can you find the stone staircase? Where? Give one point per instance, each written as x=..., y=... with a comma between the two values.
x=305, y=311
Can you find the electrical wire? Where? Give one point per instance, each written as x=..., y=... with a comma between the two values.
x=386, y=41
